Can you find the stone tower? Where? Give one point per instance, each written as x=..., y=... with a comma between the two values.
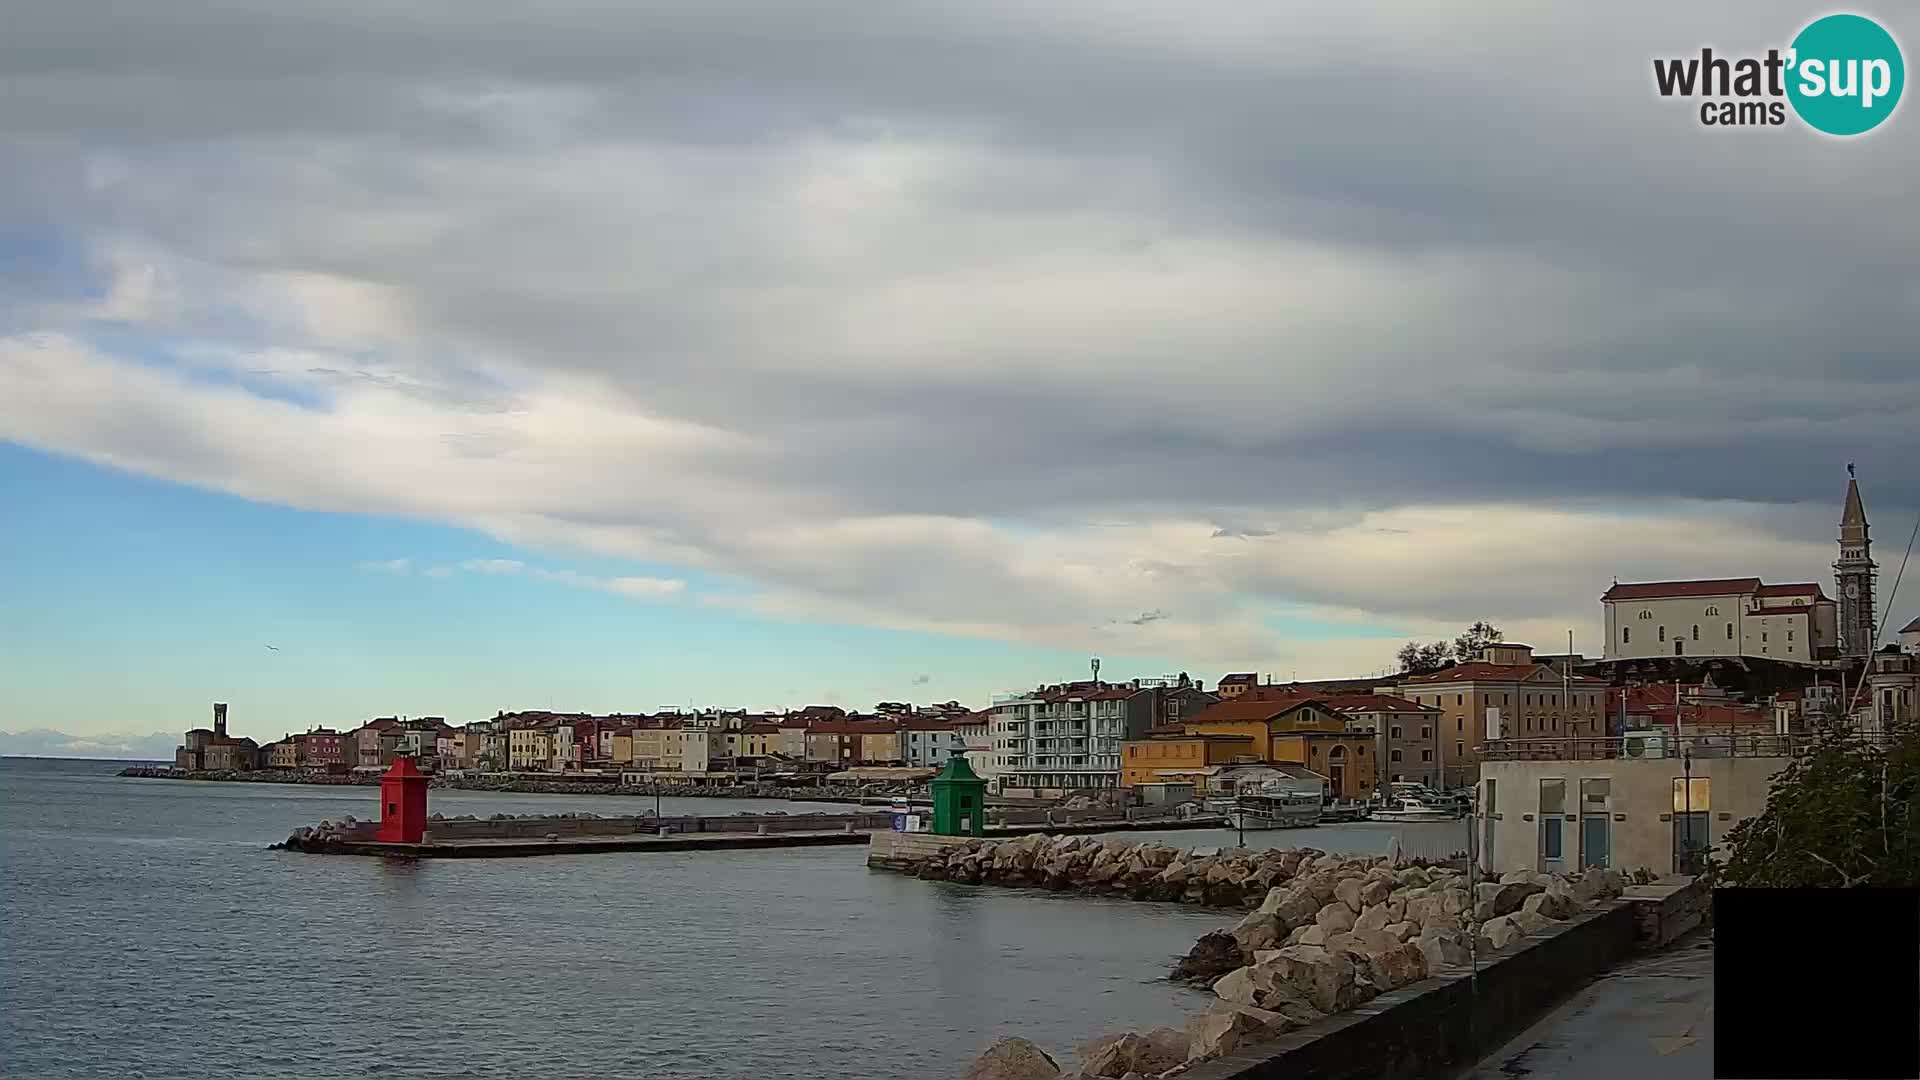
x=1853, y=574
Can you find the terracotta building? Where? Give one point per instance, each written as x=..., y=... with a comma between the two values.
x=1505, y=694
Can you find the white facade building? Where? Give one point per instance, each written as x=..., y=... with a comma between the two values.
x=927, y=743
x=1729, y=617
x=1059, y=740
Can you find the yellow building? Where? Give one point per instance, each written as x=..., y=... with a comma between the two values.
x=1346, y=760
x=528, y=748
x=1172, y=757
x=657, y=749
x=1299, y=730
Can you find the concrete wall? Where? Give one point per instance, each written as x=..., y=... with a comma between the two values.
x=1445, y=1021
x=533, y=828
x=1638, y=810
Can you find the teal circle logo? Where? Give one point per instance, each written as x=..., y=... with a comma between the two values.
x=1845, y=74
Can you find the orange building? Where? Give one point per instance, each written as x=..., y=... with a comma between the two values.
x=1301, y=731
x=1176, y=756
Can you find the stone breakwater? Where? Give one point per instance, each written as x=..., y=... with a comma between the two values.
x=1326, y=933
x=1232, y=878
x=520, y=786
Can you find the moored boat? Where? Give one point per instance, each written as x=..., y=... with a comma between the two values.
x=1408, y=808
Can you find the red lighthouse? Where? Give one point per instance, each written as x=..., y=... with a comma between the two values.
x=403, y=804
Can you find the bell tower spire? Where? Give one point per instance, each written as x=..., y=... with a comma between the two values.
x=1853, y=573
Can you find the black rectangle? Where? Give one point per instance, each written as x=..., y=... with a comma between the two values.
x=1814, y=984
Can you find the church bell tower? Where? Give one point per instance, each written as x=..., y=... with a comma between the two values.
x=1853, y=574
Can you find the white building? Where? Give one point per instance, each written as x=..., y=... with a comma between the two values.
x=927, y=742
x=1910, y=638
x=1892, y=691
x=702, y=750
x=1728, y=617
x=1057, y=740
x=1646, y=808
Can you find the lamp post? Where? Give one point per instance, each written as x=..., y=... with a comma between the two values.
x=1686, y=835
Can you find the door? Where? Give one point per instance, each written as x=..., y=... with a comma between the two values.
x=1552, y=823
x=1596, y=822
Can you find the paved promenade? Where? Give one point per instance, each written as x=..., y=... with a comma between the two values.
x=1651, y=1019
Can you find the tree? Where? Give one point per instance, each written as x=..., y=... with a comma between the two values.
x=1842, y=815
x=1419, y=658
x=1470, y=645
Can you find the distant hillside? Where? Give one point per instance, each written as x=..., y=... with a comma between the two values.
x=44, y=742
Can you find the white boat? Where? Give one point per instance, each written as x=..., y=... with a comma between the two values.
x=1274, y=810
x=1407, y=808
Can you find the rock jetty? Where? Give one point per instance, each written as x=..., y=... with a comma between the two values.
x=1230, y=878
x=1326, y=933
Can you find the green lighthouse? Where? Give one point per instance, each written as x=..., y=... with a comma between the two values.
x=959, y=799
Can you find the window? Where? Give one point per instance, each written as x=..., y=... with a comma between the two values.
x=1646, y=614
x=1393, y=755
x=1696, y=631
x=1713, y=611
x=1459, y=750
x=1626, y=635
x=1459, y=724
x=1426, y=732
x=1663, y=633
x=1459, y=699
x=1789, y=635
x=1763, y=635
x=1426, y=755
x=1396, y=731
x=1729, y=631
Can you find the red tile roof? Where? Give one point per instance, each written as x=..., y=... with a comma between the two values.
x=1481, y=671
x=1242, y=709
x=1911, y=628
x=1238, y=677
x=761, y=729
x=1375, y=703
x=1658, y=590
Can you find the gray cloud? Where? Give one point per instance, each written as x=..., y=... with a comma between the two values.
x=882, y=320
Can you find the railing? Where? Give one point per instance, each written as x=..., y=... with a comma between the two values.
x=1704, y=744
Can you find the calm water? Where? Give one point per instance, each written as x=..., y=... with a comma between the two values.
x=148, y=932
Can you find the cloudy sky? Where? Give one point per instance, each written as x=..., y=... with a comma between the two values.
x=766, y=353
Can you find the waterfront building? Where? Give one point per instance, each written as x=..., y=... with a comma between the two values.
x=1653, y=800
x=1723, y=617
x=703, y=750
x=324, y=748
x=1174, y=757
x=1504, y=694
x=879, y=741
x=791, y=742
x=1060, y=739
x=1406, y=734
x=529, y=748
x=212, y=748
x=926, y=742
x=974, y=738
x=367, y=750
x=284, y=754
x=1165, y=701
